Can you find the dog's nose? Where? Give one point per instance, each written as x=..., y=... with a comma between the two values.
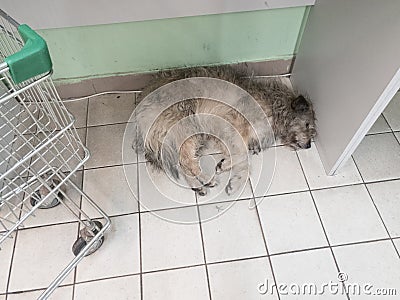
x=308, y=145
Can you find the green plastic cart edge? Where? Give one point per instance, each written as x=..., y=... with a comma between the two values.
x=32, y=60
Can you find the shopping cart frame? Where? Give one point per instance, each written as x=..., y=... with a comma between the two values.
x=53, y=151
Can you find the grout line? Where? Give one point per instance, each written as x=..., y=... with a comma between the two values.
x=112, y=166
x=264, y=239
x=377, y=210
x=78, y=233
x=322, y=224
x=203, y=247
x=139, y=221
x=15, y=243
x=107, y=278
x=172, y=269
x=362, y=242
x=391, y=130
x=379, y=133
x=194, y=205
x=72, y=222
x=11, y=263
x=236, y=260
x=109, y=124
x=34, y=290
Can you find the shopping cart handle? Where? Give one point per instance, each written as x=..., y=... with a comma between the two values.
x=32, y=60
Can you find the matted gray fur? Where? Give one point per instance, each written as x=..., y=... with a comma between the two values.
x=289, y=117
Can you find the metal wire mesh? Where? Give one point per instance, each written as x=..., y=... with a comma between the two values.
x=40, y=152
x=39, y=146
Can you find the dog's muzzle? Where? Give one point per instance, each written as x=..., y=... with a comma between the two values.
x=304, y=146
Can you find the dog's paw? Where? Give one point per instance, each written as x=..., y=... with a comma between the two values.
x=212, y=183
x=202, y=191
x=233, y=186
x=254, y=146
x=223, y=166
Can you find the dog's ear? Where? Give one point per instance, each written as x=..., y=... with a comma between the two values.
x=300, y=104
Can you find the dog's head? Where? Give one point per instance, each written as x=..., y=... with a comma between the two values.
x=300, y=129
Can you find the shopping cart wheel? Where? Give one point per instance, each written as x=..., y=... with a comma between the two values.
x=86, y=236
x=50, y=203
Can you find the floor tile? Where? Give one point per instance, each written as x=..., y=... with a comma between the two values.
x=158, y=191
x=110, y=109
x=177, y=241
x=72, y=90
x=128, y=82
x=244, y=279
x=286, y=174
x=378, y=157
x=231, y=230
x=172, y=238
x=79, y=110
x=127, y=288
x=119, y=255
x=6, y=250
x=181, y=284
x=47, y=251
x=65, y=154
x=290, y=222
x=58, y=214
x=376, y=265
x=105, y=144
x=111, y=190
x=349, y=215
x=397, y=244
x=386, y=196
x=10, y=209
x=316, y=175
x=129, y=155
x=380, y=126
x=392, y=112
x=314, y=268
x=141, y=158
x=61, y=293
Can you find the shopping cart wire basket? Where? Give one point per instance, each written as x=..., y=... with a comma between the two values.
x=40, y=149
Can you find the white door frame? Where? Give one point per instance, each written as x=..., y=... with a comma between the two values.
x=387, y=95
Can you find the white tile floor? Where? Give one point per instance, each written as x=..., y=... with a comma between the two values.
x=306, y=230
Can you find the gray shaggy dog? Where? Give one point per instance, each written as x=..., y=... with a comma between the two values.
x=172, y=139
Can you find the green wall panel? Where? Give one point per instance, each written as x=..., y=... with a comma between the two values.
x=136, y=47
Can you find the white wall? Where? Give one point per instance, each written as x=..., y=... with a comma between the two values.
x=349, y=64
x=41, y=14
